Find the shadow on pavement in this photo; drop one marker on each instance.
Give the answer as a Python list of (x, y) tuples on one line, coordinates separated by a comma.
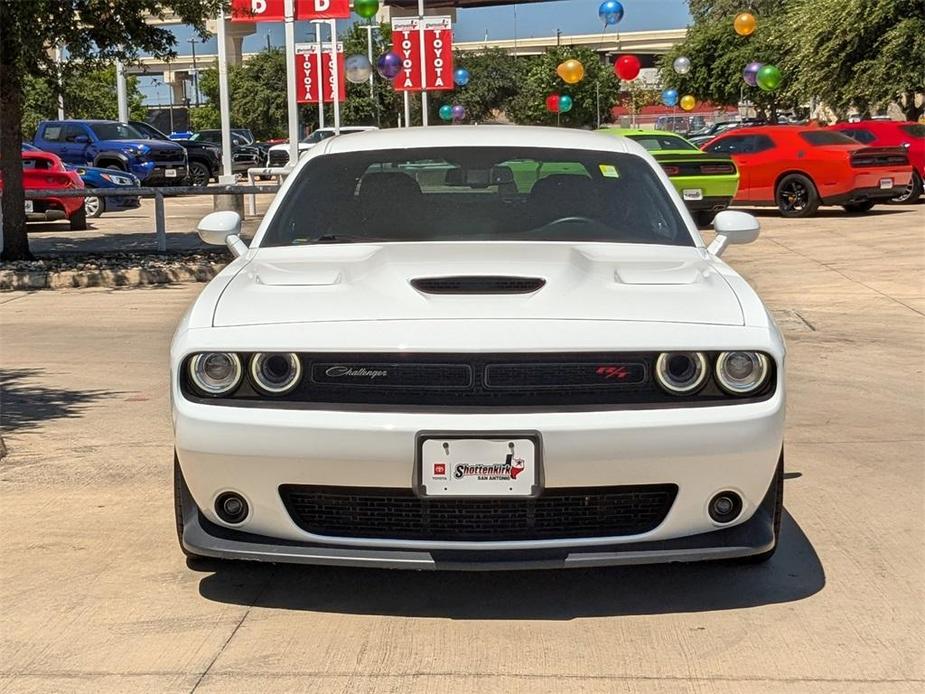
[(93, 242), (828, 212), (26, 403), (792, 574)]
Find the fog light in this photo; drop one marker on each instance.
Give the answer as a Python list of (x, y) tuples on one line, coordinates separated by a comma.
[(725, 507), (231, 507)]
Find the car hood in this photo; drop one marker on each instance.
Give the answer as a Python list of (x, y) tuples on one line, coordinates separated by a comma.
[(595, 281)]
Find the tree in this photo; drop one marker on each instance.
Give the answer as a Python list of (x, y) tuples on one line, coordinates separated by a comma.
[(860, 53), (94, 33), (493, 82), (88, 93), (537, 79)]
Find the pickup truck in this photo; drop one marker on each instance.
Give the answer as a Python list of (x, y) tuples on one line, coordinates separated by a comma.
[(204, 159), (113, 145)]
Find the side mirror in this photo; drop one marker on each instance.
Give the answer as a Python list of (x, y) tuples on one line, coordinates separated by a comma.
[(732, 226), (222, 228)]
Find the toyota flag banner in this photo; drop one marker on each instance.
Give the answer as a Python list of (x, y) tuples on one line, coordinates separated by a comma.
[(431, 38), (308, 73)]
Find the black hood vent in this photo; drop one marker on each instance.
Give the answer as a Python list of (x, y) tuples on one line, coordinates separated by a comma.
[(478, 284)]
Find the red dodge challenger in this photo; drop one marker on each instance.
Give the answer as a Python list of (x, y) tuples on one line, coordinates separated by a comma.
[(798, 169), (44, 170)]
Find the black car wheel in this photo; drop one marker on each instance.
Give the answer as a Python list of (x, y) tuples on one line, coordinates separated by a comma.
[(859, 207), (199, 174), (911, 193), (94, 206), (703, 218), (796, 196), (79, 219)]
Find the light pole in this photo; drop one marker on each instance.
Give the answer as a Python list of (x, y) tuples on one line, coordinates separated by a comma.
[(370, 28), (192, 43)]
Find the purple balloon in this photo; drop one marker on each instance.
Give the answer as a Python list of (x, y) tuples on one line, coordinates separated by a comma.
[(388, 65), (750, 73), (459, 112)]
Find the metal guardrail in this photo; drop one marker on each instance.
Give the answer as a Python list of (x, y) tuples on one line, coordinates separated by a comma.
[(159, 193)]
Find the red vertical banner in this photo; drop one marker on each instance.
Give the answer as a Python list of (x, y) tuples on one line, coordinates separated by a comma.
[(328, 72), (308, 74), (257, 10), (406, 43), (438, 53), (322, 9)]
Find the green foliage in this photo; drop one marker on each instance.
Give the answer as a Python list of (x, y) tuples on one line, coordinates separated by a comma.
[(89, 92), (360, 108), (537, 79), (205, 117), (492, 84)]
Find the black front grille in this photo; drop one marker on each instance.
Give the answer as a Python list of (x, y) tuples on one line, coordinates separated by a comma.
[(400, 515), (478, 284), (167, 156), (278, 158)]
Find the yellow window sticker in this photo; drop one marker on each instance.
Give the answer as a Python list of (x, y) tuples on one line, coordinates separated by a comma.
[(609, 170)]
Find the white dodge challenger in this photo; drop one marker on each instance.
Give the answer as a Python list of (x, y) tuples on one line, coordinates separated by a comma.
[(478, 348)]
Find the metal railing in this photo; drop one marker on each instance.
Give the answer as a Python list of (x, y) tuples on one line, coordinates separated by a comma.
[(158, 194)]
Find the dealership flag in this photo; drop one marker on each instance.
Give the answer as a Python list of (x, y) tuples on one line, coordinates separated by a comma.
[(435, 36), (273, 10), (308, 73)]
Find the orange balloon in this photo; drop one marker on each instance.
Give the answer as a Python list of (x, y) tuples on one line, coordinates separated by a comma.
[(688, 102), (571, 71), (745, 24)]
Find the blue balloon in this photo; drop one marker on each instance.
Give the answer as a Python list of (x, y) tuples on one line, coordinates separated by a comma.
[(670, 97), (610, 12), (461, 76)]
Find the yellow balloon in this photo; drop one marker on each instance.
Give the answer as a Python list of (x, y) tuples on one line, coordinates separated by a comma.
[(571, 71), (745, 24), (688, 102)]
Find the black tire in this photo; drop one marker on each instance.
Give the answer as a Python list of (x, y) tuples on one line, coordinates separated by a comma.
[(114, 166), (79, 219), (778, 515), (859, 207), (178, 485), (703, 218), (912, 193), (796, 196), (199, 174), (94, 206)]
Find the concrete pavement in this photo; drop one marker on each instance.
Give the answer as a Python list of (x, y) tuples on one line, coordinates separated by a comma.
[(96, 596)]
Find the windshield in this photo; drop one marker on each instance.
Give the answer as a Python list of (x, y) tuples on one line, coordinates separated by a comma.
[(654, 143), (915, 130), (826, 137), (116, 131), (477, 194)]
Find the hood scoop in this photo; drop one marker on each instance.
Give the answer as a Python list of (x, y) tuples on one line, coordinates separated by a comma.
[(478, 284)]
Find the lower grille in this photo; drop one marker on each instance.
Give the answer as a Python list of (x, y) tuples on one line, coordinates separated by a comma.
[(366, 512)]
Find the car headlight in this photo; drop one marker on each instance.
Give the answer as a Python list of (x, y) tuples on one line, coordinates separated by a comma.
[(276, 373), (117, 179), (739, 373), (215, 373), (681, 372)]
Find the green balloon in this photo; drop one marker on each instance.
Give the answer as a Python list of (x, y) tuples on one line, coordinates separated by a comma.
[(446, 112), (367, 9), (768, 78)]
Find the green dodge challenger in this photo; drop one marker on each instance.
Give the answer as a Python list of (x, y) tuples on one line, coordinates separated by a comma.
[(706, 182)]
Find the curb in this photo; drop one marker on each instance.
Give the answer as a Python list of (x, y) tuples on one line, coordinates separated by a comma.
[(30, 280)]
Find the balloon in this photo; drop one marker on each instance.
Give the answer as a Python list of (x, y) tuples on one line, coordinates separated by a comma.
[(610, 12), (552, 103), (682, 65), (571, 71), (366, 8), (389, 65), (459, 112), (688, 102), (565, 103), (745, 24), (670, 97), (357, 68), (446, 112), (461, 76), (768, 78), (750, 73), (627, 67)]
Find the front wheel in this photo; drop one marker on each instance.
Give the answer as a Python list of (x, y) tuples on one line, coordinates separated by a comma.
[(79, 219), (911, 193), (859, 207), (199, 174), (796, 196), (703, 218), (93, 206)]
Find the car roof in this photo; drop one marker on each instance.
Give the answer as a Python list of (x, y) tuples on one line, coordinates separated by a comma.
[(81, 120), (479, 136)]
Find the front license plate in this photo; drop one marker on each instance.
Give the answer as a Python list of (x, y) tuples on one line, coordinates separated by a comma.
[(455, 466), (30, 207), (886, 183), (693, 194), (170, 173)]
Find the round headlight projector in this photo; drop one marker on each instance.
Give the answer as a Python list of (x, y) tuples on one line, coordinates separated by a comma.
[(739, 373), (215, 373), (276, 373), (681, 372)]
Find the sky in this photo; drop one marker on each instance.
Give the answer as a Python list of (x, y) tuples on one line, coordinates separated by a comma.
[(521, 20)]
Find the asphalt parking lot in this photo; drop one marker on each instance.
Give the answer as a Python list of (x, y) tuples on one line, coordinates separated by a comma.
[(97, 597)]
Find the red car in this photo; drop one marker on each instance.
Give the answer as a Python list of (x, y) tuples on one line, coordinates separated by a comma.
[(43, 170), (891, 133), (797, 169)]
